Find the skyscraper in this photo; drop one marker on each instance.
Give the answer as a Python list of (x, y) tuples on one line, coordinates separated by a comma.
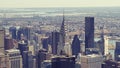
[(8, 43), (54, 40), (2, 32), (13, 31), (15, 59), (62, 38), (102, 41), (100, 44), (91, 61), (19, 32), (22, 46), (26, 31), (27, 59), (89, 32), (75, 45), (4, 61), (41, 56), (106, 47), (63, 62), (45, 42), (117, 51)]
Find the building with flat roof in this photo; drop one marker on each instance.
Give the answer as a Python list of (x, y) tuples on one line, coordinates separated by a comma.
[(91, 61), (4, 61), (89, 32), (63, 62), (15, 59), (117, 51)]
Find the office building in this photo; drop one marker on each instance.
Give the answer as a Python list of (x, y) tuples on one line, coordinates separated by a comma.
[(8, 43), (102, 45), (106, 47), (15, 59), (77, 65), (91, 61), (63, 62), (2, 34), (13, 32), (54, 39), (34, 62), (75, 45), (45, 43), (31, 48), (110, 64), (82, 46), (68, 50), (27, 59), (61, 43), (46, 64), (4, 61), (117, 51), (102, 42), (19, 32), (89, 32), (27, 32), (22, 46), (41, 56)]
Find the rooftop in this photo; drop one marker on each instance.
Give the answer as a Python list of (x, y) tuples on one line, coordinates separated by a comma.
[(12, 51)]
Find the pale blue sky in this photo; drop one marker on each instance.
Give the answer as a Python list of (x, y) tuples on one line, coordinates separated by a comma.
[(57, 3)]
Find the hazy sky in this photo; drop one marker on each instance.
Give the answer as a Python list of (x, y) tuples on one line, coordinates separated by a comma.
[(57, 3)]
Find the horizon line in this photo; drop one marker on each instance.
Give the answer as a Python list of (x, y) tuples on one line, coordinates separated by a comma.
[(61, 7)]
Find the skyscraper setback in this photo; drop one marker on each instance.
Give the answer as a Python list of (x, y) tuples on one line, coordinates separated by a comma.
[(89, 32)]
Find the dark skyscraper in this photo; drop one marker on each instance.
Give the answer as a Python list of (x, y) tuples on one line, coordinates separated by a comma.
[(89, 32), (110, 64), (75, 45), (22, 46), (13, 31), (27, 59), (63, 62), (41, 56), (26, 31), (54, 40), (117, 51), (19, 32), (45, 43)]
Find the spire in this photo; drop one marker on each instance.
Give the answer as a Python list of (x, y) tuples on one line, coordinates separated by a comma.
[(63, 18), (62, 38), (62, 29)]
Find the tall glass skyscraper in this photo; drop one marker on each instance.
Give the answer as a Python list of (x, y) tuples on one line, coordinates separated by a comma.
[(89, 32)]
